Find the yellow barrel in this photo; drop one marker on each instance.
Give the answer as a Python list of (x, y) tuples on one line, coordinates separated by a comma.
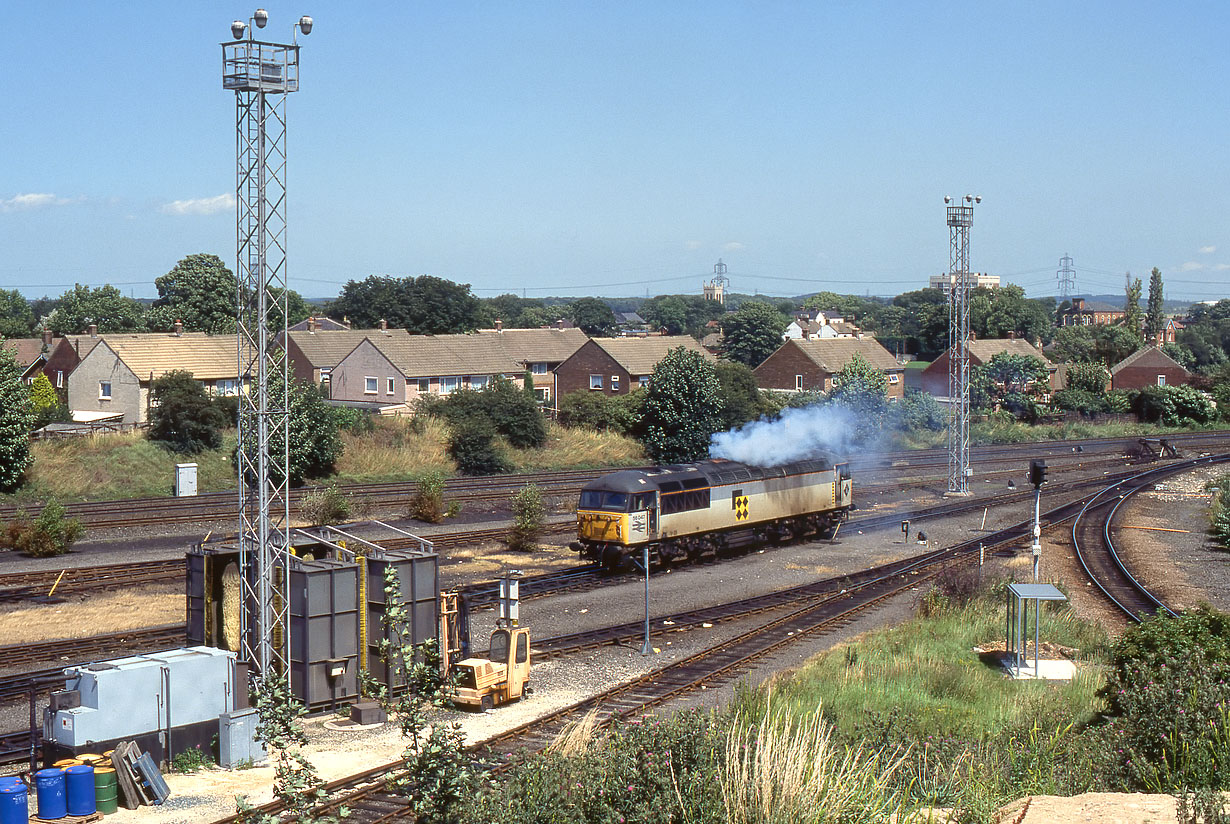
[(67, 762), (89, 757), (106, 790)]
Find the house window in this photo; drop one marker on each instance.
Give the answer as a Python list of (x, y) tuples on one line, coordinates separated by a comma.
[(798, 383), (104, 390), (614, 383), (370, 385), (449, 385), (59, 379), (538, 368), (389, 385), (424, 384), (595, 381), (227, 386), (1161, 380), (543, 394), (325, 372), (892, 378), (643, 381), (478, 381)]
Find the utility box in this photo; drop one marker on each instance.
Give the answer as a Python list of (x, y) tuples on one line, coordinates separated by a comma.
[(418, 579), (185, 480), (237, 742), (324, 632)]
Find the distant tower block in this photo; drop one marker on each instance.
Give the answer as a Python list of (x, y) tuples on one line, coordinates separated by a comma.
[(1065, 278), (715, 289)]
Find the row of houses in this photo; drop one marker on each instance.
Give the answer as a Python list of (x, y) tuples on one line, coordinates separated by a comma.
[(110, 376)]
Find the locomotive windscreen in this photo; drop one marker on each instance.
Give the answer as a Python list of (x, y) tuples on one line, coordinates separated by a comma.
[(602, 499)]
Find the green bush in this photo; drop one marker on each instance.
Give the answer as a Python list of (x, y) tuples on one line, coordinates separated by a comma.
[(1079, 400), (1173, 406), (46, 536), (427, 503), (918, 411), (192, 760), (182, 417), (329, 505), (354, 421), (529, 518), (1120, 400), (1087, 377), (511, 411), (472, 447), (597, 410)]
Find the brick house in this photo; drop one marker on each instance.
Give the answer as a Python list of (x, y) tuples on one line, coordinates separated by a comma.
[(1148, 367), (800, 365), (539, 351), (30, 353), (314, 352), (614, 366), (114, 378), (1079, 314), (935, 376)]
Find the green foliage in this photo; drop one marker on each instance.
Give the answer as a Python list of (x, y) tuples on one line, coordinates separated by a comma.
[(997, 313), (1131, 306), (741, 398), (354, 421), (680, 314), (1095, 344), (1088, 377), (48, 535), (600, 411), (326, 505), (1168, 702), (1079, 400), (511, 412), (681, 408), (1219, 511), (427, 503), (652, 770), (863, 390), (1011, 383), (16, 421), (918, 411), (1206, 334), (424, 305), (182, 417), (1181, 355), (592, 316), (471, 445), (16, 317), (1173, 406), (1155, 319), (105, 307), (199, 291), (315, 442), (193, 759), (46, 403), (753, 333), (529, 518)]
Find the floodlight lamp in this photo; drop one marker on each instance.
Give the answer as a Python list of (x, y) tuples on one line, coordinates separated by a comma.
[(947, 199), (969, 199), (260, 17), (305, 24), (238, 28), (977, 198)]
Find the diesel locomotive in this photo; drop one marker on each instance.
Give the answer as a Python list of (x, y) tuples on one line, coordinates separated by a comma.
[(699, 510)]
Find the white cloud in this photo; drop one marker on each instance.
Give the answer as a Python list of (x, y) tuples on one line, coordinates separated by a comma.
[(1207, 250), (733, 246), (32, 200), (1191, 266), (692, 245), (200, 205), (1221, 267)]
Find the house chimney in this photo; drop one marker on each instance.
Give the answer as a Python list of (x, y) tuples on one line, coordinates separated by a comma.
[(384, 326), (559, 324), (179, 327), (46, 337), (973, 336), (311, 325), (1012, 335), (345, 321), (499, 325), (92, 330), (662, 331)]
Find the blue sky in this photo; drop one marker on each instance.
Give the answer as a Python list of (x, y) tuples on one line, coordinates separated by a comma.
[(622, 148)]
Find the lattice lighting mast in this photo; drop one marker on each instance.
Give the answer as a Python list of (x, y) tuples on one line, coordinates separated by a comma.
[(262, 74), (960, 283)]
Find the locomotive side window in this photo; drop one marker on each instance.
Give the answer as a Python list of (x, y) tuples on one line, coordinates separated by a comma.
[(642, 501), (690, 496)]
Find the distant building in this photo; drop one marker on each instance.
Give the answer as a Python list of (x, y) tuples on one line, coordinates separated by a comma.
[(715, 291), (1148, 367), (813, 323), (979, 280), (315, 351), (802, 365), (616, 366), (1080, 314), (934, 378)]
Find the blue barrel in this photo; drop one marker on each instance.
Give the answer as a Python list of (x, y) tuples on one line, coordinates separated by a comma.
[(80, 781), (14, 805), (49, 788)]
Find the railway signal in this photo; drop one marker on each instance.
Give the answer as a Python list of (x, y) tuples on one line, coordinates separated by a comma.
[(1037, 477)]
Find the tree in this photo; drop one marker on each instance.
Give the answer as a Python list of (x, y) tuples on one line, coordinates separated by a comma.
[(1131, 304), (1155, 318), (753, 333), (315, 441), (424, 305), (592, 316), (1075, 344), (997, 313), (182, 417), (1087, 377), (105, 307), (16, 420), (741, 401), (863, 390), (46, 403), (1011, 382), (924, 326), (682, 408), (200, 291), (471, 445), (16, 317)]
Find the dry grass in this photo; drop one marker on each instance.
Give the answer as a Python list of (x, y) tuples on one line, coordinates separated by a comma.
[(578, 448), (577, 737), (94, 614), (398, 449)]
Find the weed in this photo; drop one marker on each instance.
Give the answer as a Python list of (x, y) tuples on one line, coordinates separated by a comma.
[(529, 518), (427, 503), (191, 760), (326, 505)]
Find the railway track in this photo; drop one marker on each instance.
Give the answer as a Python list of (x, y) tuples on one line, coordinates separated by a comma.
[(222, 505), (1094, 544)]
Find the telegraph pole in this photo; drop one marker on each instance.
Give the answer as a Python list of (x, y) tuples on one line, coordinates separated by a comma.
[(960, 282), (262, 74)]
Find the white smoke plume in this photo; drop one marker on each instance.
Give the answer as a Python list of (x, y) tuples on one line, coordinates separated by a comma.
[(796, 435)]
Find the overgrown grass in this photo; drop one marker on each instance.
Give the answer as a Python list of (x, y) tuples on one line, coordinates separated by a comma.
[(984, 433)]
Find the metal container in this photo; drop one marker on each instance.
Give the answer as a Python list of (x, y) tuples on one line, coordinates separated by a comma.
[(324, 632), (418, 579), (106, 790)]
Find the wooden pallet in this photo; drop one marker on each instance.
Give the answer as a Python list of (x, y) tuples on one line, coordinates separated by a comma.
[(68, 819)]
